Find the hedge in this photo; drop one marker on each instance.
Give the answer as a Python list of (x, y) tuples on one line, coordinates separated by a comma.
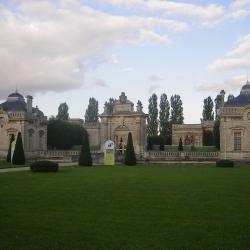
[(44, 166), (225, 164)]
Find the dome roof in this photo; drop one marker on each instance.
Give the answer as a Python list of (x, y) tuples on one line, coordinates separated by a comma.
[(16, 94), (245, 89), (242, 100), (14, 102)]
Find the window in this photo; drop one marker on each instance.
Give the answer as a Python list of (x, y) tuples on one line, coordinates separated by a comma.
[(237, 141)]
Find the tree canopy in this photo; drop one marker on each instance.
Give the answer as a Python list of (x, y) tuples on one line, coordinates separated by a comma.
[(164, 114), (63, 112), (208, 107), (91, 114), (152, 120), (176, 110), (109, 105), (64, 135)]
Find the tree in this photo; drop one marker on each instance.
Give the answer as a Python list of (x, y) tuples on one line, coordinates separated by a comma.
[(12, 138), (18, 155), (180, 147), (130, 158), (152, 119), (207, 138), (85, 158), (63, 135), (208, 106), (63, 112), (109, 106), (216, 134), (91, 114), (218, 102), (176, 110), (164, 118)]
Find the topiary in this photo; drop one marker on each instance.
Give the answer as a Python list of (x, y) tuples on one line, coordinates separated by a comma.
[(130, 158), (225, 164), (85, 158), (44, 166), (18, 155), (180, 147)]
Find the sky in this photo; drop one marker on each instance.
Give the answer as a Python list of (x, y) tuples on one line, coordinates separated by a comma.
[(71, 50)]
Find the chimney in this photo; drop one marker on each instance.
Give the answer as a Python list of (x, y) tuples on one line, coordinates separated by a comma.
[(222, 94), (29, 103)]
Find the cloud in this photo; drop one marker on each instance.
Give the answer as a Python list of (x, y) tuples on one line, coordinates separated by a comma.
[(231, 84), (153, 88), (240, 3), (128, 69), (50, 45), (235, 59), (208, 13), (97, 82), (155, 78)]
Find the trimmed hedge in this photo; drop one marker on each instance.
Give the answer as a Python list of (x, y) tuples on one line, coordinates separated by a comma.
[(225, 164), (44, 166)]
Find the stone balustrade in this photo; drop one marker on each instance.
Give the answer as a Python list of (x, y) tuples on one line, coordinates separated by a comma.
[(174, 156)]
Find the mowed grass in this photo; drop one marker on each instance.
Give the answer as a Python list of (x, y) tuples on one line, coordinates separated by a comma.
[(143, 207), (4, 164)]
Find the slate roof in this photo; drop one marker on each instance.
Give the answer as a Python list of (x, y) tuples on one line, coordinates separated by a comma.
[(16, 103), (241, 100)]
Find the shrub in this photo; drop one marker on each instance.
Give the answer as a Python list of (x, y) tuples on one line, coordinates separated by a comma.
[(85, 158), (225, 164), (44, 166), (18, 155), (130, 158), (180, 147)]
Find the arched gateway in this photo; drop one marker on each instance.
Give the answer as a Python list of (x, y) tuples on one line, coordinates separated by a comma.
[(117, 124)]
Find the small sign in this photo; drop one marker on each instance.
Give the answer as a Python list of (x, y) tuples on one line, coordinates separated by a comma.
[(13, 146), (109, 153)]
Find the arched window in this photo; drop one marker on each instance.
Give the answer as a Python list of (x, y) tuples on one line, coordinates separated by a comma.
[(31, 139), (41, 139)]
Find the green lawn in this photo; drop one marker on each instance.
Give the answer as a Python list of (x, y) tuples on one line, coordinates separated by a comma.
[(159, 207), (4, 164)]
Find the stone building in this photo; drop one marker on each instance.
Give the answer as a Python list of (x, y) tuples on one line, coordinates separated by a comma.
[(191, 134), (117, 124), (235, 126), (16, 115)]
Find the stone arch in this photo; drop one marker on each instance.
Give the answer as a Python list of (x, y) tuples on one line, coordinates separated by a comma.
[(120, 138)]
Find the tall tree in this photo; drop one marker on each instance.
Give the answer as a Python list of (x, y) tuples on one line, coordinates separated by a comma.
[(63, 112), (216, 132), (91, 114), (176, 110), (218, 102), (130, 158), (85, 158), (152, 119), (164, 115), (109, 106), (18, 155), (208, 107)]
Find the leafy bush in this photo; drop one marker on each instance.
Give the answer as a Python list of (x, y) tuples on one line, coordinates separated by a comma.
[(85, 158), (180, 147), (225, 164), (63, 135), (130, 158), (44, 166), (18, 155)]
